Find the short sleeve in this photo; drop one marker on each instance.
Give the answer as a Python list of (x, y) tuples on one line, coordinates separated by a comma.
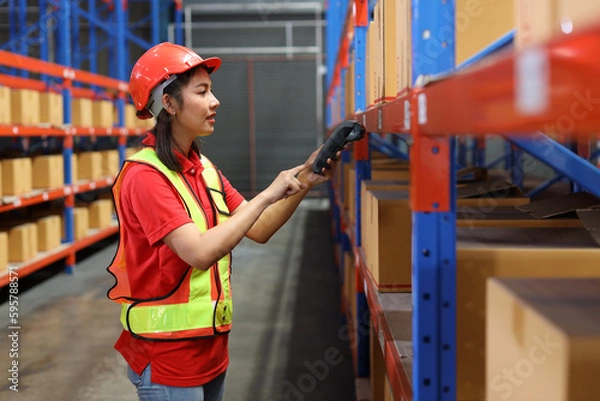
[(232, 197), (150, 201)]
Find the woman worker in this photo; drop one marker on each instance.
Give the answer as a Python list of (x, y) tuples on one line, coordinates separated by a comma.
[(179, 221)]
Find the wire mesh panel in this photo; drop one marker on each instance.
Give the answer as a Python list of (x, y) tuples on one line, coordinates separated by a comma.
[(269, 86)]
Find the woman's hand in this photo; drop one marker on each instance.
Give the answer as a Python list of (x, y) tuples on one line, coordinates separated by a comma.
[(285, 184), (307, 176)]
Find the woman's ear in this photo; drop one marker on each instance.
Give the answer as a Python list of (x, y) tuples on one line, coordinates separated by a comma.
[(168, 104)]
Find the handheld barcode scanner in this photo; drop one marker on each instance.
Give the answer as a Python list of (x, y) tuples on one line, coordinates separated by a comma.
[(346, 132)]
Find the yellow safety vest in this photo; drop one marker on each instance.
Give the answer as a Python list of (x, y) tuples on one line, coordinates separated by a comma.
[(201, 305)]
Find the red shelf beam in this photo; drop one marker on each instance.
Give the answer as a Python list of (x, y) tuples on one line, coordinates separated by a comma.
[(552, 87), (61, 253), (24, 130), (31, 64), (390, 117), (17, 202)]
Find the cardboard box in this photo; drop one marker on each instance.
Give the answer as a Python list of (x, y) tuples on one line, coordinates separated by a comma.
[(397, 171), (479, 23), (25, 107), (48, 171), (82, 112), (51, 108), (543, 339), (49, 233), (22, 242), (130, 117), (16, 176), (390, 37), (403, 46), (110, 163), (387, 238), (103, 113), (507, 252), (89, 165), (374, 185), (6, 109), (370, 65), (74, 168), (100, 214), (538, 21), (3, 251), (81, 216)]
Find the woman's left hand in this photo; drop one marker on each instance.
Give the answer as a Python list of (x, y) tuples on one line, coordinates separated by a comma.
[(307, 176)]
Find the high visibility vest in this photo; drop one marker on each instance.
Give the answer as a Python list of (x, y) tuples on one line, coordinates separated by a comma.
[(200, 305)]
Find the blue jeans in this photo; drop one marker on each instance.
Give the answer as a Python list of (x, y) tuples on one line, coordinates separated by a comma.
[(148, 391)]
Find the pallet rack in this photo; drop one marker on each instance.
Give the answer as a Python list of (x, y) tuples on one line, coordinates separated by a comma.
[(515, 94), (55, 37)]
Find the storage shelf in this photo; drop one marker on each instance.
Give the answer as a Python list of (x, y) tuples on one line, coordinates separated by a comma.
[(500, 97), (24, 130), (8, 203), (44, 259)]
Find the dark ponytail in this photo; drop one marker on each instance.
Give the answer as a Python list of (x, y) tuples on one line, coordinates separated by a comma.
[(163, 129)]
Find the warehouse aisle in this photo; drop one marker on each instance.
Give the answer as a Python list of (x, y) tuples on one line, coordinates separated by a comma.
[(287, 342)]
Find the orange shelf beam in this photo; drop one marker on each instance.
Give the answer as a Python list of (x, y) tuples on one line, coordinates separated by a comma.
[(62, 252), (8, 203)]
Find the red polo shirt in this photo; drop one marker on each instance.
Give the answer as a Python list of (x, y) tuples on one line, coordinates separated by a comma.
[(151, 209)]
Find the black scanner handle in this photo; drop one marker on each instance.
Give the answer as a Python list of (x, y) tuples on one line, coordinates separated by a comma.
[(348, 131)]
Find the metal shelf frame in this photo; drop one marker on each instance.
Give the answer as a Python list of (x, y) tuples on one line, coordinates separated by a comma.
[(475, 100), (53, 31)]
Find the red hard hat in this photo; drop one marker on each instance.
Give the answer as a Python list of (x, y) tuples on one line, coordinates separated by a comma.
[(158, 64)]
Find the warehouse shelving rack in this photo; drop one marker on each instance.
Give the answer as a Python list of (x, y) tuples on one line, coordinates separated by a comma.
[(516, 94), (67, 132), (56, 25)]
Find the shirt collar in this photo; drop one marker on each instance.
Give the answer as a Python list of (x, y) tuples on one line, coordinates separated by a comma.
[(187, 163)]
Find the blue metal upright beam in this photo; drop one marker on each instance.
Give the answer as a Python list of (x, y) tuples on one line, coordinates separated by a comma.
[(363, 172), (64, 58), (434, 232)]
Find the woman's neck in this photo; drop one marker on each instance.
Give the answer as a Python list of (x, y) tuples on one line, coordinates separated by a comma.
[(182, 146)]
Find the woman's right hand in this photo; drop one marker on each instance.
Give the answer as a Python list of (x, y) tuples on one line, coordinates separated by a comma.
[(285, 185)]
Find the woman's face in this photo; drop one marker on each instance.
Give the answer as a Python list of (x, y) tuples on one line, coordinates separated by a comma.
[(196, 116)]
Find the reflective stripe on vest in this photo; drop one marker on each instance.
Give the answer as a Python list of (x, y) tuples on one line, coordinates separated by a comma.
[(201, 304)]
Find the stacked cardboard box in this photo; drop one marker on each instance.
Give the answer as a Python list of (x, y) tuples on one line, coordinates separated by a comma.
[(5, 110), (22, 242), (51, 108), (543, 339), (479, 23), (103, 113), (16, 176), (25, 106), (89, 165), (507, 252), (130, 117), (48, 171), (100, 214), (82, 222), (3, 251), (82, 112), (538, 21), (110, 163), (49, 232)]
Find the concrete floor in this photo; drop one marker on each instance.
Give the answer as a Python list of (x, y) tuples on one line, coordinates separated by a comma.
[(285, 344)]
